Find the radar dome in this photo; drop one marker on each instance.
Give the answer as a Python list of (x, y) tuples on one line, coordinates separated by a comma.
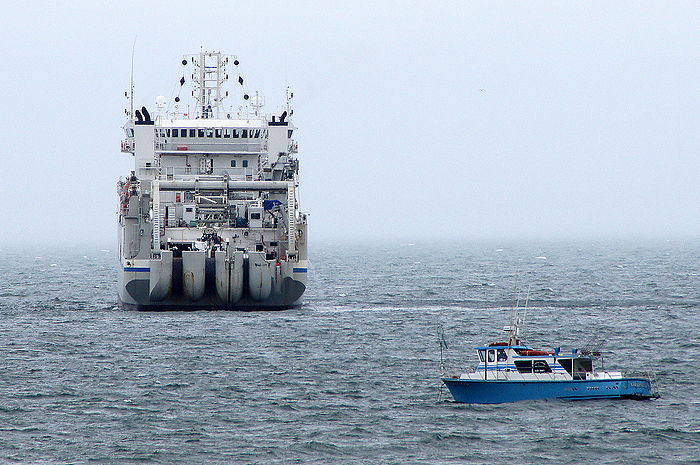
[(161, 101), (257, 100)]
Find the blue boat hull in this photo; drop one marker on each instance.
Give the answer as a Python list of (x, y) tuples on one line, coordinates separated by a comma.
[(496, 392)]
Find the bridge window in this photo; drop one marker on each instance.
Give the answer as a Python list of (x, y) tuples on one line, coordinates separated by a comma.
[(227, 133), (524, 366), (217, 131), (236, 134), (482, 357), (183, 132), (193, 133), (176, 132), (289, 132), (245, 134), (491, 355), (210, 132), (566, 363), (233, 163), (244, 164), (502, 357), (581, 367), (200, 132), (541, 366)]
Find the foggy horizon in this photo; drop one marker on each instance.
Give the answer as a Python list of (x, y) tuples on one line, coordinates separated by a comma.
[(458, 121)]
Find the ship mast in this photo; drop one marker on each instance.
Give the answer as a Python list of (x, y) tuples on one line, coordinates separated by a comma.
[(210, 74), (514, 329)]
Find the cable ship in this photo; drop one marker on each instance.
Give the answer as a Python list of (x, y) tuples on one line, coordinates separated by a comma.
[(209, 218)]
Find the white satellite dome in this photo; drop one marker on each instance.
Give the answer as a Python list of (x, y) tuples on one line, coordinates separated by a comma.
[(257, 100), (161, 101)]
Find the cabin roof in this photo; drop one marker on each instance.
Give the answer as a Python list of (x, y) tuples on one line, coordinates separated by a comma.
[(503, 347), (211, 123)]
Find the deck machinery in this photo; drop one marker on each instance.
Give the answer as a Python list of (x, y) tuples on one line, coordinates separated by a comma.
[(209, 218)]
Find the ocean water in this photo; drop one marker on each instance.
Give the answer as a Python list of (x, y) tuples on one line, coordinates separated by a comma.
[(353, 375)]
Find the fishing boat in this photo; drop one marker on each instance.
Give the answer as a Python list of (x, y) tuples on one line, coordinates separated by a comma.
[(511, 371)]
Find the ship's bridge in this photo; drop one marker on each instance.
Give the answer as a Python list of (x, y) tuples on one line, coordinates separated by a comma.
[(248, 136)]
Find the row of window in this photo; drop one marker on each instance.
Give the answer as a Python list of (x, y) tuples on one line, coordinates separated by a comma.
[(533, 366), (218, 133), (206, 165), (492, 355)]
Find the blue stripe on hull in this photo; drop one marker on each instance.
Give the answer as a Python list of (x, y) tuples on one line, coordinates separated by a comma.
[(132, 269), (497, 392)]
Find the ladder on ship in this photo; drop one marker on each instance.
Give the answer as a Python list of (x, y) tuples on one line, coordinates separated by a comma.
[(156, 217), (210, 78), (262, 164), (291, 219)]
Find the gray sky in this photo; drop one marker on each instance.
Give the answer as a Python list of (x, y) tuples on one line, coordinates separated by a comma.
[(465, 119)]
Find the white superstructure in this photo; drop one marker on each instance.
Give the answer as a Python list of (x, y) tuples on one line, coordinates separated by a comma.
[(210, 218)]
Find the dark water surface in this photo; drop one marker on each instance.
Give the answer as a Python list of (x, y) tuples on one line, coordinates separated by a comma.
[(352, 377)]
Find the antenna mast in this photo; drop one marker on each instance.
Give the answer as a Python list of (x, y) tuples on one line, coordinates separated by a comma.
[(131, 97), (514, 329), (209, 77)]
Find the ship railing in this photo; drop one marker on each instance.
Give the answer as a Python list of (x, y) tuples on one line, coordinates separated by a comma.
[(516, 375), (188, 173), (149, 171), (127, 145), (189, 145), (650, 375)]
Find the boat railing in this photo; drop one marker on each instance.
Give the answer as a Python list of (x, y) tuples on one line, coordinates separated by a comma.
[(128, 145), (249, 146), (188, 173), (649, 375), (503, 375), (514, 375), (604, 375)]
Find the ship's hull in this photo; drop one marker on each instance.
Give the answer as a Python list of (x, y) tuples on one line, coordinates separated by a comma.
[(199, 282), (472, 391)]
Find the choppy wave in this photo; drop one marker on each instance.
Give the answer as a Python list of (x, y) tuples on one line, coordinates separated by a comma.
[(353, 375)]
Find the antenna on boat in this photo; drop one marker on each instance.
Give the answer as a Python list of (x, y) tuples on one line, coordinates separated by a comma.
[(527, 296), (527, 302), (443, 346), (514, 329), (131, 97)]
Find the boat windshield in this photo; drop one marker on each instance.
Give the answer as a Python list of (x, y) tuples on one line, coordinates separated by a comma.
[(481, 355), (502, 357)]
